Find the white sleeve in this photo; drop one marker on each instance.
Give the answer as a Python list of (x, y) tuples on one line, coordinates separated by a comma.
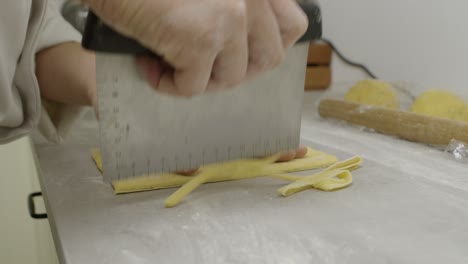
[(55, 29), (57, 119)]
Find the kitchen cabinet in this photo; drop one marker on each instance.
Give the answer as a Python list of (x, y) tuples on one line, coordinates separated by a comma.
[(22, 239)]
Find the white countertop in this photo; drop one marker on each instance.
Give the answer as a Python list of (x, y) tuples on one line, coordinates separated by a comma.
[(407, 204)]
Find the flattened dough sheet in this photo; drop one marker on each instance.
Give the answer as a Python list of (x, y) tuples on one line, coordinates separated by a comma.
[(223, 172)]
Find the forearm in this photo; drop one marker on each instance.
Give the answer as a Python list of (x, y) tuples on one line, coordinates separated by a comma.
[(66, 74)]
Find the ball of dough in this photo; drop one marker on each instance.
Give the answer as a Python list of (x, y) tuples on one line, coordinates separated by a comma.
[(373, 92), (441, 103)]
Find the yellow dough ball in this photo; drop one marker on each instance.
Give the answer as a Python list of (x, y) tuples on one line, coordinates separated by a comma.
[(373, 92), (441, 104)]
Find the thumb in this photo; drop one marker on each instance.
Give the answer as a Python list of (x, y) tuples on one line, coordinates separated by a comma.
[(151, 69)]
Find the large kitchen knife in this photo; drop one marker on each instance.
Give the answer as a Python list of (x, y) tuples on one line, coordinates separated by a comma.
[(144, 132)]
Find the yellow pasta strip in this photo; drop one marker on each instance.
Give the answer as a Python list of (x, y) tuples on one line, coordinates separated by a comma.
[(337, 179), (349, 164), (324, 181), (241, 169), (233, 170), (334, 177)]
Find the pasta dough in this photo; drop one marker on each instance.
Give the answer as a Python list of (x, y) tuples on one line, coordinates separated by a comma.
[(334, 177), (441, 104), (221, 172), (373, 92)]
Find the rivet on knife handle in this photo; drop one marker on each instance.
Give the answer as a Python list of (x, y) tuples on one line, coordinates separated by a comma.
[(101, 38)]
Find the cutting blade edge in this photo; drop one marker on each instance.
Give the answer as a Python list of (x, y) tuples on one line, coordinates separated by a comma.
[(145, 132)]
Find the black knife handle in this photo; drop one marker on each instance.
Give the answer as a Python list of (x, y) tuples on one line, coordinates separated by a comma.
[(99, 37)]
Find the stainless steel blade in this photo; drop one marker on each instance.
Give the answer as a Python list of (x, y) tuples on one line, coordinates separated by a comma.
[(144, 132)]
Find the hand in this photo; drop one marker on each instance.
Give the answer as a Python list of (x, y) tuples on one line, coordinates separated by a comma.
[(66, 74), (207, 45)]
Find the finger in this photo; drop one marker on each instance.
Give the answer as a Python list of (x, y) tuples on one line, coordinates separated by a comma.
[(264, 39), (230, 66), (188, 172), (301, 152), (291, 19), (188, 80), (293, 154), (150, 69), (287, 156)]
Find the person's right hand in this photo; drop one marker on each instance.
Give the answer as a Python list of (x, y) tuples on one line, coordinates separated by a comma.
[(206, 45)]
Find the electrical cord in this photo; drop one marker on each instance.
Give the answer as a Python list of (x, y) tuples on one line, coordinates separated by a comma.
[(362, 67), (348, 61)]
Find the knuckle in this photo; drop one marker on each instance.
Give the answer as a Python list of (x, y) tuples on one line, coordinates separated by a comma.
[(209, 39), (201, 38), (208, 32), (236, 12), (197, 35), (228, 24), (296, 27)]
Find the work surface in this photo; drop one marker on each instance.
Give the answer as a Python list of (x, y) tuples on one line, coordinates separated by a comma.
[(408, 204)]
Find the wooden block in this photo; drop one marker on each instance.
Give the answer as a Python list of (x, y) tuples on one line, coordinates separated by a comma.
[(319, 54), (318, 78)]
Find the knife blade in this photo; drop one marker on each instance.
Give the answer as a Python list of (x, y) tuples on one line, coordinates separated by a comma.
[(143, 132)]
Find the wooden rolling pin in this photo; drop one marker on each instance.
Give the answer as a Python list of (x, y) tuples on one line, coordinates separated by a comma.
[(411, 126)]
